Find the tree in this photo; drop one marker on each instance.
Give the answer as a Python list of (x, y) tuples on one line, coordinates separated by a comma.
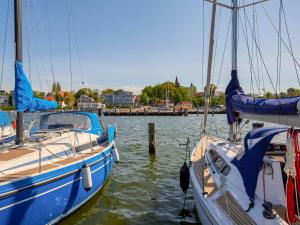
[(107, 91), (268, 95), (54, 87), (177, 97), (69, 99), (293, 92), (39, 94), (84, 91), (58, 87), (213, 89)]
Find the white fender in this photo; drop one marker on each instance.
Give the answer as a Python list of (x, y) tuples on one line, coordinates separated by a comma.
[(86, 177), (115, 153)]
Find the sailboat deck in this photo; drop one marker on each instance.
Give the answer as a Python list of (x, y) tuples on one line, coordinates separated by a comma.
[(58, 162), (281, 211), (14, 153), (202, 172), (231, 207)]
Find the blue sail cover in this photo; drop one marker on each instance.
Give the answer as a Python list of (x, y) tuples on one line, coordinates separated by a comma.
[(23, 94), (238, 101), (4, 119), (256, 144)]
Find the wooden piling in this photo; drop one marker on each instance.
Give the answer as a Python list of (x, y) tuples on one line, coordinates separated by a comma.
[(186, 112), (152, 138), (100, 112)]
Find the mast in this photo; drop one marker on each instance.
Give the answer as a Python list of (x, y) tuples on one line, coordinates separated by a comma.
[(209, 66), (233, 131), (19, 58)]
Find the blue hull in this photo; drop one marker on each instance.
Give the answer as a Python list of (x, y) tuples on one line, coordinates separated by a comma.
[(49, 197)]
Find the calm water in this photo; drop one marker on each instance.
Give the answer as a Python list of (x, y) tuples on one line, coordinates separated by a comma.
[(142, 189)]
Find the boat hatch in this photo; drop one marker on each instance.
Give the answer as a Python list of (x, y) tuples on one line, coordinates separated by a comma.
[(218, 162)]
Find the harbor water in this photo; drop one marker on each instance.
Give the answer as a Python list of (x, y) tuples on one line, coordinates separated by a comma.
[(144, 190)]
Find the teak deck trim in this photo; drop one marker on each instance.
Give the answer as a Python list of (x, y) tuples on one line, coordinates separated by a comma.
[(201, 170), (233, 210), (49, 166), (281, 211), (14, 153)]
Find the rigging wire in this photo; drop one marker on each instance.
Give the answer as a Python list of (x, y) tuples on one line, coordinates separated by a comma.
[(50, 56), (70, 53), (224, 50), (258, 62), (77, 46), (28, 38), (290, 43), (254, 55), (252, 71), (284, 43), (279, 49), (260, 54), (216, 43), (203, 44), (4, 44)]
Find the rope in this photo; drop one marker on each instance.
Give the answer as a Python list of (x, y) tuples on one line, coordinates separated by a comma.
[(4, 44)]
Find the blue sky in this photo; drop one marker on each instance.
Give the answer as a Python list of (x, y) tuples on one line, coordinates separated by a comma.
[(132, 43)]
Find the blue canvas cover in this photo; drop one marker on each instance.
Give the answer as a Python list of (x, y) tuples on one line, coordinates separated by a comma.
[(238, 101), (4, 119), (256, 144), (23, 94), (81, 121)]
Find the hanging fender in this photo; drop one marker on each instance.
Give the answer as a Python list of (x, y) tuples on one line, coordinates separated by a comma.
[(87, 181), (115, 153), (184, 177)]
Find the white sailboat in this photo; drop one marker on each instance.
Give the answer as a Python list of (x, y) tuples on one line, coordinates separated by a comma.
[(239, 181)]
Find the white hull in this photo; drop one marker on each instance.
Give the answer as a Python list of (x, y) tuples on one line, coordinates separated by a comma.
[(208, 207), (204, 214)]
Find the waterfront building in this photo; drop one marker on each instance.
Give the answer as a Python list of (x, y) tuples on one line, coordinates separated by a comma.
[(119, 98), (4, 100), (50, 97), (86, 102), (184, 105)]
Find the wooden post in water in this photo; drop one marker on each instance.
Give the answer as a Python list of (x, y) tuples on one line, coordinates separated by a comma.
[(152, 138), (100, 112), (186, 112)]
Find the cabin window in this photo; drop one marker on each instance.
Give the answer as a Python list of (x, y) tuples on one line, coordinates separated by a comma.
[(65, 121), (219, 163)]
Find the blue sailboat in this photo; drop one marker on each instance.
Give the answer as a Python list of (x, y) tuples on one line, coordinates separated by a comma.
[(7, 133), (49, 173)]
